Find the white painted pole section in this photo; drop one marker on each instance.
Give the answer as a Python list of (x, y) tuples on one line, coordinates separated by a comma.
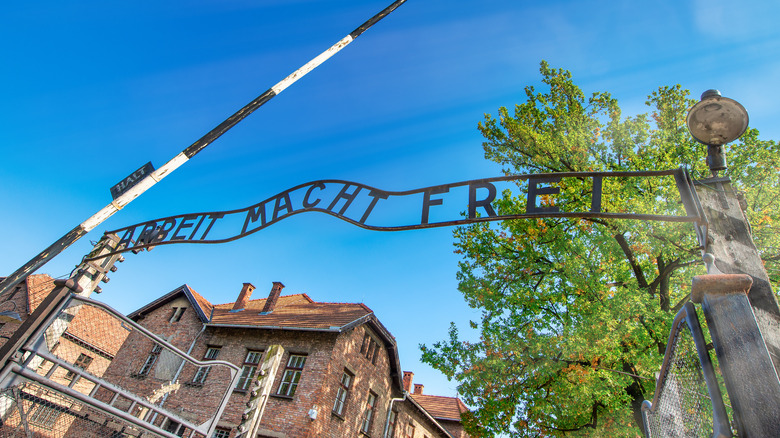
[(155, 177), (117, 204), (311, 65), (136, 191)]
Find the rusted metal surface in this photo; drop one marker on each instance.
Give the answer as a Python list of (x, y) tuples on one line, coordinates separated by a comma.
[(359, 203)]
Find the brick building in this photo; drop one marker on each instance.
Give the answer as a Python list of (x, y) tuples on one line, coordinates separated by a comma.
[(340, 374), (77, 342), (446, 411)]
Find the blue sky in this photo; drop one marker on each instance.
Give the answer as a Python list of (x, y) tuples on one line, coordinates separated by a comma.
[(93, 90)]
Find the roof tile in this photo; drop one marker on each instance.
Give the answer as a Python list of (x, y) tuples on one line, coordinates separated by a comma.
[(440, 407), (292, 311)]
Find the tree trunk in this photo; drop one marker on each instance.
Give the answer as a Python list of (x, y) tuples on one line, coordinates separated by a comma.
[(663, 285)]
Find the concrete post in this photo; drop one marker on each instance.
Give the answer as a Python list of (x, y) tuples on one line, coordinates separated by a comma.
[(748, 371), (729, 240)]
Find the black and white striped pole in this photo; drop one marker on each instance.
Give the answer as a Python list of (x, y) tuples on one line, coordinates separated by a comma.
[(154, 177)]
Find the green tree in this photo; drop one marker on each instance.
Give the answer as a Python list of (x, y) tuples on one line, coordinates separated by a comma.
[(576, 313)]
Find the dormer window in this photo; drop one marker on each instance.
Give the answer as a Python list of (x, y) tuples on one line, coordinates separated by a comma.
[(370, 348), (177, 313)]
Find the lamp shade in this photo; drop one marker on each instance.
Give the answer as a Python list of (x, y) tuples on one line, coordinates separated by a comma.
[(717, 120)]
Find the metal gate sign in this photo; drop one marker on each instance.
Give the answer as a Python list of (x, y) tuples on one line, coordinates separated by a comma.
[(375, 209), (126, 184)]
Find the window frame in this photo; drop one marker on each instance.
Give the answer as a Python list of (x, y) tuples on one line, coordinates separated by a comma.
[(221, 433), (370, 348), (368, 413), (203, 372), (83, 362), (177, 314), (342, 393), (391, 423), (151, 359), (44, 416), (291, 377), (410, 430), (248, 369)]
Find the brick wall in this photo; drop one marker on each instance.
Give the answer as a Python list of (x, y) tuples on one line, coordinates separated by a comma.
[(328, 355)]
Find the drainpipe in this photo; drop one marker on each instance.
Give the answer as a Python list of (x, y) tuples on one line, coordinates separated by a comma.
[(389, 410)]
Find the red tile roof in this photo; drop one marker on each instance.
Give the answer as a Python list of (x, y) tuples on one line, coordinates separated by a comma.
[(205, 306), (91, 325), (292, 312), (38, 287), (98, 329), (441, 408)]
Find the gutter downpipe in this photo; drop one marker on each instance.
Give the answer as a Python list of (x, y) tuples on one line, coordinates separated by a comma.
[(389, 410)]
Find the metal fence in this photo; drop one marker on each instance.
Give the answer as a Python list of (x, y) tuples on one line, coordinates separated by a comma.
[(89, 371), (32, 410), (688, 401)]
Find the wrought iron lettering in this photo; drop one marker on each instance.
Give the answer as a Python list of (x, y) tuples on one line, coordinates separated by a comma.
[(375, 209)]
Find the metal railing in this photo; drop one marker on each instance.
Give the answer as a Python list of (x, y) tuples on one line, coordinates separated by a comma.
[(90, 371), (688, 401)]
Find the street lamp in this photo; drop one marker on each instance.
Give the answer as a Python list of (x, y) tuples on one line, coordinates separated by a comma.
[(715, 121)]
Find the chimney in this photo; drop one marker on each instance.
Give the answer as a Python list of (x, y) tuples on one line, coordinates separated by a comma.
[(273, 297), (408, 376), (243, 297), (418, 388)]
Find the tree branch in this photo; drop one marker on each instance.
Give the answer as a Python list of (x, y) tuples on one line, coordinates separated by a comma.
[(640, 276)]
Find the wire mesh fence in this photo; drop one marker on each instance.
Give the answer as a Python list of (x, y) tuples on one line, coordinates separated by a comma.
[(688, 401), (32, 410), (91, 367)]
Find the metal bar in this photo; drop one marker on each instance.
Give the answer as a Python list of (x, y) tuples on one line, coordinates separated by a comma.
[(743, 357), (32, 376), (118, 391), (51, 370), (160, 231), (22, 414), (687, 315), (583, 215), (721, 427), (153, 178), (234, 369), (48, 306), (76, 300)]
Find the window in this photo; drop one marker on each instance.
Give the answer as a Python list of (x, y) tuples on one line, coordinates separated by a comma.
[(44, 416), (175, 427), (221, 433), (370, 348), (150, 360), (368, 413), (391, 424), (342, 393), (82, 362), (177, 313), (292, 375), (203, 372), (248, 370), (410, 430)]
